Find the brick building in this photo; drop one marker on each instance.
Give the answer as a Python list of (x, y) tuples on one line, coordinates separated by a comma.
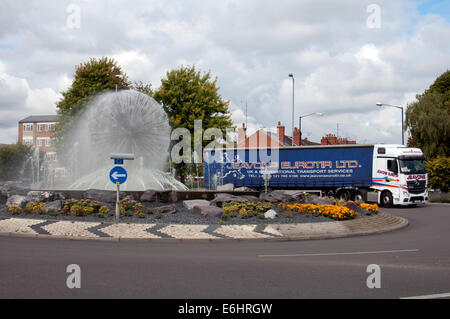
[(331, 139), (37, 131), (263, 138)]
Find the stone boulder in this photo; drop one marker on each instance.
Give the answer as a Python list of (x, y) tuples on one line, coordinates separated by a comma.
[(44, 196), (274, 197), (221, 198), (270, 214), (189, 204), (208, 211), (167, 209), (3, 196), (357, 208), (18, 200), (54, 206), (314, 199), (157, 196), (100, 195)]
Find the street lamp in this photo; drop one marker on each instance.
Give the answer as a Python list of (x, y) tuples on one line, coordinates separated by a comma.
[(399, 107), (292, 76), (300, 122)]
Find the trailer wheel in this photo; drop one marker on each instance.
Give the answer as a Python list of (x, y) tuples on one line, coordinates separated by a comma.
[(386, 199), (357, 196), (344, 195)]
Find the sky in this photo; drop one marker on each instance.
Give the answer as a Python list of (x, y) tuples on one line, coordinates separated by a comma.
[(345, 56)]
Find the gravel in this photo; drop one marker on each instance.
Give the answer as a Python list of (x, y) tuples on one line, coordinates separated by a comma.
[(182, 216)]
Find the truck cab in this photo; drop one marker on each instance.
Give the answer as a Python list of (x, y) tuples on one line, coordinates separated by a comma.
[(399, 176)]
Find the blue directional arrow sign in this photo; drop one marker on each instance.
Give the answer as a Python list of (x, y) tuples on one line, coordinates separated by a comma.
[(118, 174)]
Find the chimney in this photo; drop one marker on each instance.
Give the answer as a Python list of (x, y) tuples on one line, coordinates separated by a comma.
[(242, 133), (280, 132), (297, 136)]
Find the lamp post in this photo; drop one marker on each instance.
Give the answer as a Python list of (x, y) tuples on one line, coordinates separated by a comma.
[(293, 81), (399, 107), (300, 123)]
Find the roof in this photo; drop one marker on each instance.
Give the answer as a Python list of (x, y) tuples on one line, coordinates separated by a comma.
[(39, 118)]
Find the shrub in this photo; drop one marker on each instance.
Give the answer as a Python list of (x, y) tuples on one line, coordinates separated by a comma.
[(77, 210), (439, 173), (103, 211), (14, 209), (33, 208), (158, 215), (245, 209)]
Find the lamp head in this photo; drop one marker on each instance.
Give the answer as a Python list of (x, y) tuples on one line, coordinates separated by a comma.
[(380, 104), (291, 75)]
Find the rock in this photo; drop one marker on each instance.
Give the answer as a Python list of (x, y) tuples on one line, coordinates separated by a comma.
[(221, 198), (168, 209), (44, 196), (3, 196), (295, 196), (314, 199), (54, 206), (271, 214), (357, 208), (189, 204), (18, 200), (226, 187), (208, 211), (157, 196), (250, 198), (274, 197), (100, 195)]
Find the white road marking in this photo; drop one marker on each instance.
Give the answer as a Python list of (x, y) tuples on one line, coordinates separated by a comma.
[(444, 295), (349, 253)]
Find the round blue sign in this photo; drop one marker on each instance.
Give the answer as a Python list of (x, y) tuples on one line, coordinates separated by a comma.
[(118, 174)]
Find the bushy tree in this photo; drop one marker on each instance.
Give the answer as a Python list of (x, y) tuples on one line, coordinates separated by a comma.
[(438, 171), (92, 77), (188, 95), (12, 161), (428, 119)]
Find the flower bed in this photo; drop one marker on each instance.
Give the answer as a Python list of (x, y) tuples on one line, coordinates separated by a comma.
[(332, 211)]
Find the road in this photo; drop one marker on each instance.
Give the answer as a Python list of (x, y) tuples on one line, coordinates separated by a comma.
[(414, 261)]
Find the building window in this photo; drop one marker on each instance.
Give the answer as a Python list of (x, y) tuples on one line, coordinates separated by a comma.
[(28, 127), (40, 127), (48, 127), (39, 142), (28, 141), (48, 142)]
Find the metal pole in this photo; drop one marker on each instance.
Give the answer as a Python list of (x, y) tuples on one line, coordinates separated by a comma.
[(300, 129), (116, 219), (293, 110), (403, 138)]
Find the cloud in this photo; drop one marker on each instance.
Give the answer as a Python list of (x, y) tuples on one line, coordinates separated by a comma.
[(341, 67)]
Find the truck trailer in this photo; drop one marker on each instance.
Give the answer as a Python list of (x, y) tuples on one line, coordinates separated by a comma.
[(384, 173)]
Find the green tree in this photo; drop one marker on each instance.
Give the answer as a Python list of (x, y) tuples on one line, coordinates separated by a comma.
[(90, 78), (12, 161), (428, 119), (188, 95)]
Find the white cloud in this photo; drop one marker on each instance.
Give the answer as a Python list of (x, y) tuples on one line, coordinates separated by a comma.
[(341, 67)]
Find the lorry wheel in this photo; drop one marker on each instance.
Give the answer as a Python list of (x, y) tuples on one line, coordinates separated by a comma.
[(357, 196), (386, 199), (344, 195)]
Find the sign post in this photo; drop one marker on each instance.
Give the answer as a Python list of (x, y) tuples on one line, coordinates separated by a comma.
[(118, 175)]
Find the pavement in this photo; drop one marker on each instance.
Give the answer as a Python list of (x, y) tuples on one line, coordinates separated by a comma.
[(43, 228)]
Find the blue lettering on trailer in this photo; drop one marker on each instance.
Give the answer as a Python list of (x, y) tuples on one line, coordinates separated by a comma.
[(291, 167)]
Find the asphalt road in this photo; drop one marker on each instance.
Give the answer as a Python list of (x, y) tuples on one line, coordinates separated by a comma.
[(414, 261)]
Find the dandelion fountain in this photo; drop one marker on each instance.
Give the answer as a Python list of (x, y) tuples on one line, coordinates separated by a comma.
[(120, 122)]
